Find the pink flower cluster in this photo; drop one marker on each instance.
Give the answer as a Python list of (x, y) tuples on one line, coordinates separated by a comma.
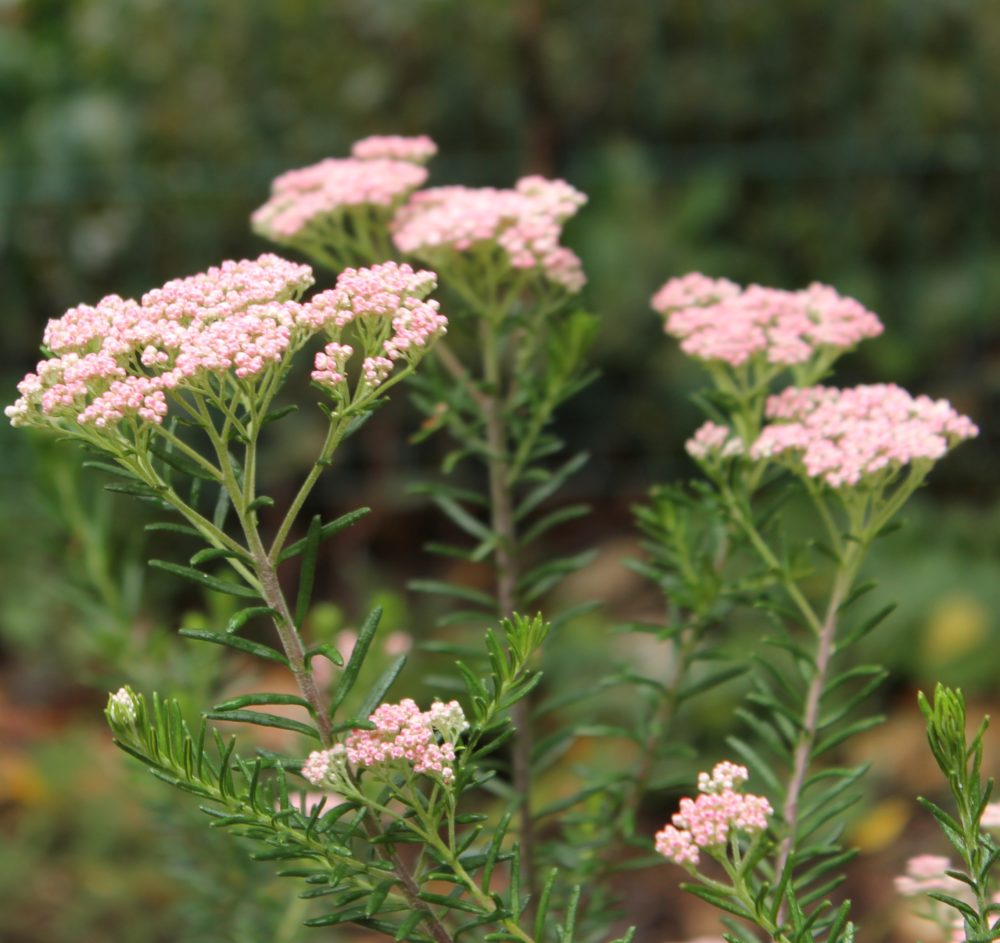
[(716, 320), (926, 873), (327, 769), (381, 173), (424, 739), (120, 357), (841, 436), (708, 821), (416, 150), (387, 299), (712, 441), (525, 222)]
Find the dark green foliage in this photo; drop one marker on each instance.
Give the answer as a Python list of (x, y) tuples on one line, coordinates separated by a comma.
[(960, 761)]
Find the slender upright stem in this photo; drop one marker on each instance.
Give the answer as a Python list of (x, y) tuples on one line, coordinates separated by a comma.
[(506, 566), (825, 647), (291, 641)]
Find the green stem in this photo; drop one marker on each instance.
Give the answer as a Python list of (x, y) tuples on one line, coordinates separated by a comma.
[(506, 565), (825, 648)]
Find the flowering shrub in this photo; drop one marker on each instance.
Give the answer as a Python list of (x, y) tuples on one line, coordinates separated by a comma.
[(178, 389)]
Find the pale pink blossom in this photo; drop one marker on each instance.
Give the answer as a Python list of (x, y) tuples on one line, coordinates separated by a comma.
[(391, 300), (716, 320), (403, 733), (305, 201), (525, 223), (330, 364), (327, 769), (712, 441), (991, 816), (417, 150), (925, 873), (707, 821), (843, 436), (119, 358), (397, 643), (122, 359)]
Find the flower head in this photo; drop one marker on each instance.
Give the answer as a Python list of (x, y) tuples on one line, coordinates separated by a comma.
[(845, 436), (327, 769), (716, 320), (120, 358), (712, 442), (523, 223), (417, 150), (925, 873), (306, 200), (389, 307), (707, 821), (424, 740)]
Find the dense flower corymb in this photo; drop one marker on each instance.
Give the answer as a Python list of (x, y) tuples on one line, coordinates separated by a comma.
[(123, 359), (403, 733), (387, 302), (926, 873), (707, 821), (716, 320), (524, 222), (417, 150), (381, 173), (842, 436)]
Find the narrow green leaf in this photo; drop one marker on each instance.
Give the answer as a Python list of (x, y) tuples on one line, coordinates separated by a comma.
[(221, 509), (553, 483), (569, 924), (553, 519), (263, 720), (327, 530), (329, 652), (409, 924), (173, 528), (203, 579), (847, 732), (717, 899), (710, 681), (463, 519), (757, 765), (381, 686), (307, 570), (208, 554), (458, 592), (274, 415), (258, 700), (542, 910), (115, 470), (170, 456), (493, 852), (358, 655), (867, 626), (235, 641), (239, 619), (451, 903)]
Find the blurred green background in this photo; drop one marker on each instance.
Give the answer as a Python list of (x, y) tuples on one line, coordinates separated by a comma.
[(855, 144)]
